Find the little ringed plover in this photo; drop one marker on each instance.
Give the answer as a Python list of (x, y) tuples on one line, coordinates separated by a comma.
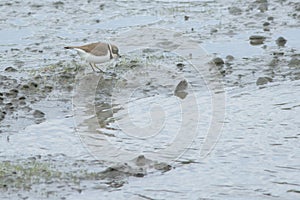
[(96, 53)]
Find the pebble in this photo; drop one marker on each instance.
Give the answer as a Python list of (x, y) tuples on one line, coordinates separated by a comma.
[(2, 116), (10, 69), (229, 58), (13, 93), (218, 61), (33, 84), (180, 90), (38, 114), (180, 66), (48, 88), (294, 62), (213, 30), (257, 39), (281, 41), (235, 10), (25, 87), (263, 80)]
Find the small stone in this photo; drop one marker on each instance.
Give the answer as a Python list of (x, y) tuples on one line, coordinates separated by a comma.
[(186, 18), (25, 87), (101, 6), (48, 88), (180, 66), (257, 39), (281, 41), (58, 4), (229, 58), (38, 77), (33, 84), (271, 18), (13, 93), (10, 69), (218, 61), (2, 116), (235, 10), (38, 114), (263, 80), (294, 62), (213, 30), (266, 24), (181, 88)]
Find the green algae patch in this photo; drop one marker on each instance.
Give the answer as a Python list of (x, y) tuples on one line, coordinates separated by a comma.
[(24, 174)]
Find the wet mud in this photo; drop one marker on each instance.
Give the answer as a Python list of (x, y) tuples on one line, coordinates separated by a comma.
[(52, 131)]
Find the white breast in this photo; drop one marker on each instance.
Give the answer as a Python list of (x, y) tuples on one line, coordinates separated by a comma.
[(91, 58)]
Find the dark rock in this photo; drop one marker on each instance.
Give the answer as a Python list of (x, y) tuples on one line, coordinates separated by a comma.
[(180, 90), (2, 115), (229, 58), (186, 18), (294, 62), (25, 87), (257, 39), (218, 61), (33, 84), (9, 107), (263, 7), (38, 77), (213, 30), (297, 7), (102, 6), (38, 114), (271, 18), (58, 4), (263, 80), (10, 69), (180, 66), (13, 93), (278, 53), (281, 41), (48, 88)]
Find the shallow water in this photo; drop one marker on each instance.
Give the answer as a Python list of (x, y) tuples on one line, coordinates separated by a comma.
[(207, 131)]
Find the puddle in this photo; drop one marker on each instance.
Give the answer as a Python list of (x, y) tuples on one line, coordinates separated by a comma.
[(238, 48)]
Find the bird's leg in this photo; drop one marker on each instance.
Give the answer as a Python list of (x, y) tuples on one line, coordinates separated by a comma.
[(94, 65)]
